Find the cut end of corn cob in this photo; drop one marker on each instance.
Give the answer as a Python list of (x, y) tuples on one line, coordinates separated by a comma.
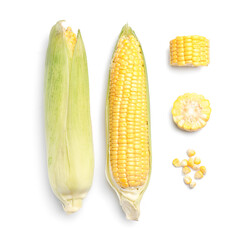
[(189, 51), (191, 112), (127, 119)]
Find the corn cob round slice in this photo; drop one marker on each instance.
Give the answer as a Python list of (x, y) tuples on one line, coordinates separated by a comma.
[(191, 112), (128, 124), (189, 51)]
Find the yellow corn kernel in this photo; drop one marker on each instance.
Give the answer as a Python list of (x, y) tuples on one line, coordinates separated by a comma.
[(196, 167), (191, 112), (190, 152), (194, 51), (186, 170), (176, 162), (187, 180), (197, 160), (70, 39), (190, 162), (203, 170), (192, 184), (184, 163), (198, 175), (128, 123)]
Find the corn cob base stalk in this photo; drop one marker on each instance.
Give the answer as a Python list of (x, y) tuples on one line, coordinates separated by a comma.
[(128, 124), (67, 118)]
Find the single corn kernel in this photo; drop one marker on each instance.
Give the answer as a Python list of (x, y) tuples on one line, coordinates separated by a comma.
[(190, 152), (189, 51), (203, 170), (184, 163), (192, 184), (198, 175), (187, 180), (197, 160), (176, 162), (190, 162), (186, 170), (196, 167), (191, 112)]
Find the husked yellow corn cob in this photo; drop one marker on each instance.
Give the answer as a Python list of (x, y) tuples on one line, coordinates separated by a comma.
[(191, 111), (127, 115), (189, 51)]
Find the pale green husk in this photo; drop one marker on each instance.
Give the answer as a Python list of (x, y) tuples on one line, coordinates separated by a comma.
[(129, 198), (67, 120)]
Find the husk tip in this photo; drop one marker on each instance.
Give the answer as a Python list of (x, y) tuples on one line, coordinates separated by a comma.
[(126, 30)]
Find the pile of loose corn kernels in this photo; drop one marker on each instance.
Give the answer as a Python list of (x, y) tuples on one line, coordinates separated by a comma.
[(187, 165)]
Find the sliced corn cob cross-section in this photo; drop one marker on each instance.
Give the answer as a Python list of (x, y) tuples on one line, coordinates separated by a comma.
[(191, 111)]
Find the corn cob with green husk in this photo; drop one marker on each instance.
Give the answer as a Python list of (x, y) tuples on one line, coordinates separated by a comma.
[(128, 124), (67, 118)]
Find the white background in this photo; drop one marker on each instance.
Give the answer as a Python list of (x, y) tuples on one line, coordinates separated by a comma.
[(219, 206)]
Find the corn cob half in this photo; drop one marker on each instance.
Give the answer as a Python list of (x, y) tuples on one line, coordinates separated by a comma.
[(128, 124), (67, 118), (189, 51)]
